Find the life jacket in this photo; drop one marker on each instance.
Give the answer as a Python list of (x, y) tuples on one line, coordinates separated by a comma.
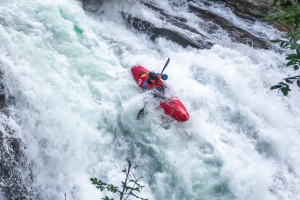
[(148, 85), (157, 84)]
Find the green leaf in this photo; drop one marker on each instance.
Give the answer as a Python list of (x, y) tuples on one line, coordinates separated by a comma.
[(292, 56), (282, 83), (288, 81), (296, 67), (294, 46), (291, 63), (287, 44), (276, 87), (274, 3), (298, 83), (106, 198), (298, 53), (276, 41), (285, 90)]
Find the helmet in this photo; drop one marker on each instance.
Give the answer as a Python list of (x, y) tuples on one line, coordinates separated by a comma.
[(152, 76)]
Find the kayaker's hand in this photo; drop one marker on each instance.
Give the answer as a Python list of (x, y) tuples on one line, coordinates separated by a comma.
[(160, 89), (159, 76)]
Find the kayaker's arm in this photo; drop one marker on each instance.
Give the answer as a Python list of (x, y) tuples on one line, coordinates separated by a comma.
[(164, 76), (145, 88)]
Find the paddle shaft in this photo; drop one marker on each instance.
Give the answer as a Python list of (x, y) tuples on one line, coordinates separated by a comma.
[(165, 66)]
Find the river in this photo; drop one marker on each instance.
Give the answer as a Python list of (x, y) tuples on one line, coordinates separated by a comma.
[(76, 104)]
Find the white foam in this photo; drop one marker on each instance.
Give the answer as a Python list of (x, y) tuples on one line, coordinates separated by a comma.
[(77, 103)]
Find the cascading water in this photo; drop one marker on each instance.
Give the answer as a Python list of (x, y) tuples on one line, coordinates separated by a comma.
[(76, 104)]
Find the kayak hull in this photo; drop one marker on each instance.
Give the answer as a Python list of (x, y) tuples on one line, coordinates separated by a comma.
[(172, 107)]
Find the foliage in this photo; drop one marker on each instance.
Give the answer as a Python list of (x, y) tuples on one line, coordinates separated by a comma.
[(290, 16), (293, 59), (127, 189), (283, 87)]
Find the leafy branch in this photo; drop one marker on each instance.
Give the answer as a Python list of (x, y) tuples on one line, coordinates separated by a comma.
[(127, 189), (290, 16), (284, 87), (294, 59)]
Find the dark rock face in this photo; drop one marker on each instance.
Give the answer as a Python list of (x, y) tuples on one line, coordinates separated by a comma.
[(155, 32), (237, 12), (92, 5), (2, 100), (12, 157), (185, 35), (175, 36), (235, 33), (254, 8), (169, 18), (15, 177), (248, 8), (251, 9)]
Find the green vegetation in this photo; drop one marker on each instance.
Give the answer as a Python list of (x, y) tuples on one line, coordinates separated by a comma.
[(290, 16), (127, 190)]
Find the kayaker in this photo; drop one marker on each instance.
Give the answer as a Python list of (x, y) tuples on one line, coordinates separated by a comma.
[(153, 81)]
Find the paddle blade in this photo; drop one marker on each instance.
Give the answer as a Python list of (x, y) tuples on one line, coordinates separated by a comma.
[(140, 114)]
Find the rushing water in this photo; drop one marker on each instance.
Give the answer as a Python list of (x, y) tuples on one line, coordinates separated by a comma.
[(76, 103)]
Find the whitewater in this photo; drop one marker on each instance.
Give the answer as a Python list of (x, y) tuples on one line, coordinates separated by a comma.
[(76, 104)]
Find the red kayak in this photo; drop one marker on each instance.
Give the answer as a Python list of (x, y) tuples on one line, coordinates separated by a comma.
[(172, 107)]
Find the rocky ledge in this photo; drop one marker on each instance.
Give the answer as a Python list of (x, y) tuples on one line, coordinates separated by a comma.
[(177, 30)]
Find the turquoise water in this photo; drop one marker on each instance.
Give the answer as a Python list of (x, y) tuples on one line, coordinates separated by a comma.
[(76, 104)]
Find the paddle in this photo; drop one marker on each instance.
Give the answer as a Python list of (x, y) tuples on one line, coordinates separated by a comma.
[(165, 66), (141, 112)]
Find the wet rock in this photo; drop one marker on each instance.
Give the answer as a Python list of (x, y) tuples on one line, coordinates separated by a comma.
[(167, 16), (14, 172), (93, 6), (255, 8), (173, 35), (174, 20), (252, 10), (11, 162), (153, 31), (235, 33), (2, 100), (280, 26)]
